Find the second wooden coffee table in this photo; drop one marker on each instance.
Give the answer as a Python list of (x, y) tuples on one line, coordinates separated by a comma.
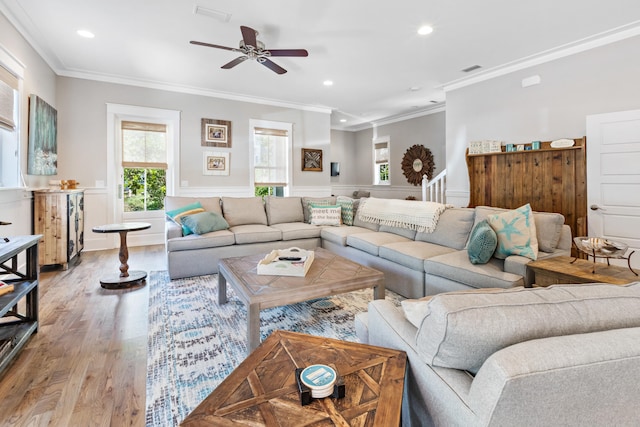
[(329, 274)]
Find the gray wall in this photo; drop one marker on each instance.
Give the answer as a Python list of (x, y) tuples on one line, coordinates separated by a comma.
[(39, 79), (604, 79), (83, 120), (356, 161)]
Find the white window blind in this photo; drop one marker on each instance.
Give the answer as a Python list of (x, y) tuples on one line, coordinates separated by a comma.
[(144, 145), (8, 89), (270, 157), (381, 152)]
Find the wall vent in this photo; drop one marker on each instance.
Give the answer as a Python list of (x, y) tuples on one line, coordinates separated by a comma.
[(472, 68), (212, 13)]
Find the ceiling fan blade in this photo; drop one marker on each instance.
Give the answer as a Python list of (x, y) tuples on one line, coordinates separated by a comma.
[(273, 66), (249, 36), (234, 62), (212, 45), (288, 52)]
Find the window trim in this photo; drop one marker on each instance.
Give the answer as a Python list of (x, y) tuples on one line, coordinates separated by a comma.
[(268, 124), (16, 69), (375, 143)]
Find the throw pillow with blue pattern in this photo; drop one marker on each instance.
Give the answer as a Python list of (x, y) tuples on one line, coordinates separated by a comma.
[(516, 231)]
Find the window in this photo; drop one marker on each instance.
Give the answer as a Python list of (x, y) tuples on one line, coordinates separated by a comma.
[(9, 160), (271, 159), (144, 162), (381, 161)]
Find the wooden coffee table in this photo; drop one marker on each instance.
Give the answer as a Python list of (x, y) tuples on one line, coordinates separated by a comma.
[(329, 274), (563, 269), (262, 389)]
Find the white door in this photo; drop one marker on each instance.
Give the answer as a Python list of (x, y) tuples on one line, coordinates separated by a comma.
[(613, 179)]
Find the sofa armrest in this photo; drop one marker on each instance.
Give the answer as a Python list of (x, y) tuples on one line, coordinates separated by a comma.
[(581, 379), (172, 230)]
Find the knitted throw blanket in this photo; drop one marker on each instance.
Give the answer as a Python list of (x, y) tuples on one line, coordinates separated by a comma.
[(414, 215)]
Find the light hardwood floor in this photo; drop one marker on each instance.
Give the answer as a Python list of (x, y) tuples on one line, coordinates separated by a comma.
[(86, 365)]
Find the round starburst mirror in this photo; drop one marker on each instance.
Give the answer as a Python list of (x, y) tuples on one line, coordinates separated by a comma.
[(416, 162)]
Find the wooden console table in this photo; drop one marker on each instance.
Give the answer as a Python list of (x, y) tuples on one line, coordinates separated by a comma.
[(19, 318), (556, 270)]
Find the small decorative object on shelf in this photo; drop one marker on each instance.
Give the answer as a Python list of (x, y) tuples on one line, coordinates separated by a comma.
[(598, 247), (5, 288)]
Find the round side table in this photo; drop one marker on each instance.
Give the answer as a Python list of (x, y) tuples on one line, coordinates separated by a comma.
[(126, 278)]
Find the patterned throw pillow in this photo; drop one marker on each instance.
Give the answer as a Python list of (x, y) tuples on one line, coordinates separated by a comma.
[(176, 215), (516, 231), (325, 215), (482, 243), (346, 205), (204, 222)]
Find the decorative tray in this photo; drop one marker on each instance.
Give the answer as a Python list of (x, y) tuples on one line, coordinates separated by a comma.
[(599, 247), (286, 262)]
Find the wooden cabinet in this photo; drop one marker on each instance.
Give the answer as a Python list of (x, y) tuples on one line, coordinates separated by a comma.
[(59, 216), (549, 179), (19, 308)]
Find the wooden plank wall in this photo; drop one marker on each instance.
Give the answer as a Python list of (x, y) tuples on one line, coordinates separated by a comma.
[(549, 179)]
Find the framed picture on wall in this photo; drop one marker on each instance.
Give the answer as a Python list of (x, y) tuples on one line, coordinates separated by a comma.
[(216, 133), (311, 160), (214, 163), (42, 157)]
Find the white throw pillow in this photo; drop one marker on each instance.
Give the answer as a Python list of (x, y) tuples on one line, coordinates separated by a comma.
[(326, 215)]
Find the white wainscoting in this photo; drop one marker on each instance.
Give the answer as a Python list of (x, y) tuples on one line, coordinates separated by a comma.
[(16, 207)]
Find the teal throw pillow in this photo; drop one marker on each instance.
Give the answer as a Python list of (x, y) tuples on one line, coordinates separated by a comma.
[(205, 222), (482, 243), (516, 231), (346, 205), (176, 215)]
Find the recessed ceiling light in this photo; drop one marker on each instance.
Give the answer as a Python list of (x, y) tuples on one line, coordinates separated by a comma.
[(343, 120), (86, 34), (414, 88), (424, 30), (327, 83)]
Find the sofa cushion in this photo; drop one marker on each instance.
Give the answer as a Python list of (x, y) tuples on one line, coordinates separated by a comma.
[(516, 231), (283, 209), (374, 226), (400, 231), (482, 243), (326, 215), (339, 235), (452, 230), (209, 204), (306, 201), (347, 209), (255, 233), (456, 266), (244, 210), (411, 254), (461, 330), (297, 230), (209, 240), (177, 214), (205, 222), (371, 242)]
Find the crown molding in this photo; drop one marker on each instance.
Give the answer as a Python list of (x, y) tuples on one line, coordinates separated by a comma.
[(432, 109), (582, 45), (191, 90)]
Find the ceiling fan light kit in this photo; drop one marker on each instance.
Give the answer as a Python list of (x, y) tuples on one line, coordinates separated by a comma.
[(252, 48)]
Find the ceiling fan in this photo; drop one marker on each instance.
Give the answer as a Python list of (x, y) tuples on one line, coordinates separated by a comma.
[(252, 48)]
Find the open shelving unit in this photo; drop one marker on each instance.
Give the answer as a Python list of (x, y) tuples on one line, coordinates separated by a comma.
[(19, 308)]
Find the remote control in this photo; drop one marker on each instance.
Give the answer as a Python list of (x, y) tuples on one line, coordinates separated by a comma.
[(290, 258)]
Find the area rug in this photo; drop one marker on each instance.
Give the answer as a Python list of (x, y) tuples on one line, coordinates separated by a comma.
[(194, 343)]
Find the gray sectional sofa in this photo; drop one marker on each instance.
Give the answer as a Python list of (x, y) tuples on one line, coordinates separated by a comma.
[(415, 263), (566, 355)]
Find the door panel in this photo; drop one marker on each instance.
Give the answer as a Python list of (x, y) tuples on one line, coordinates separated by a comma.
[(613, 177)]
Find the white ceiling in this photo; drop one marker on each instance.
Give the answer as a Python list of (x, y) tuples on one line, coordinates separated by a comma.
[(370, 49)]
